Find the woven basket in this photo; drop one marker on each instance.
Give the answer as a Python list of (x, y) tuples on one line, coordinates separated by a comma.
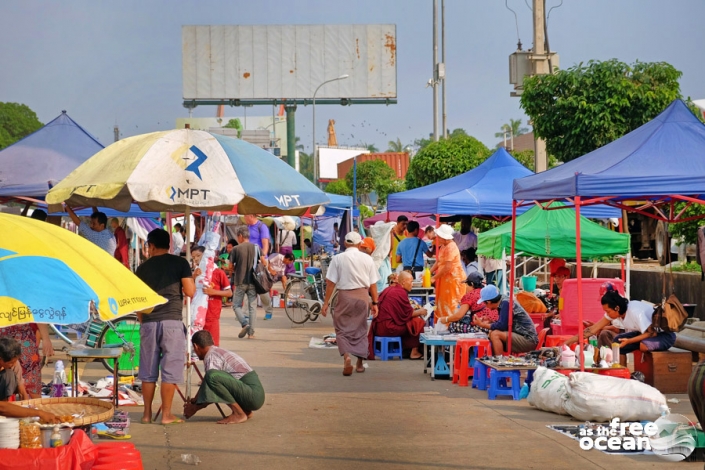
[(93, 409)]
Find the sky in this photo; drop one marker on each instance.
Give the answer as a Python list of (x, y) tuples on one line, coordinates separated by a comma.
[(120, 62)]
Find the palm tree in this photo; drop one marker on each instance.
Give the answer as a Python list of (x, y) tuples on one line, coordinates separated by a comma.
[(371, 147), (395, 146), (513, 128)]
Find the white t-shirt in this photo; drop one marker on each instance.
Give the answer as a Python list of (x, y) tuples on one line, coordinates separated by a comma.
[(352, 269), (469, 240), (178, 242), (639, 316)]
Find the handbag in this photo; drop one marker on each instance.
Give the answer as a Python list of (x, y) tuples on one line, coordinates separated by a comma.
[(261, 278), (670, 316)]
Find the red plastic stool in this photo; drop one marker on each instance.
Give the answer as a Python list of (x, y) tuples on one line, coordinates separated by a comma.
[(466, 351), (556, 340), (115, 445)]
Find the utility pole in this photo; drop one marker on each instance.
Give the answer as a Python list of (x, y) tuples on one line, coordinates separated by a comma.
[(442, 67), (291, 134), (540, 68), (116, 133), (435, 70)]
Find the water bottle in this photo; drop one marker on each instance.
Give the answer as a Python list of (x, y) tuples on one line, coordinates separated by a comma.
[(615, 353), (57, 384), (55, 438)]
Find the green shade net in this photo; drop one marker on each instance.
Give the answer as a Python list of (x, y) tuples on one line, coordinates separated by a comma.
[(551, 233)]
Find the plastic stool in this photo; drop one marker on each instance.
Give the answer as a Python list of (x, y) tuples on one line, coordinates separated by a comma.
[(388, 347), (466, 351), (441, 366), (480, 372), (497, 388)]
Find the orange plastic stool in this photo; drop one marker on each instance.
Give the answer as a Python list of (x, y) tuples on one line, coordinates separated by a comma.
[(464, 349)]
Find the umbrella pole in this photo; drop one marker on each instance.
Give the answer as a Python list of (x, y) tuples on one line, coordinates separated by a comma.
[(187, 224), (579, 277)]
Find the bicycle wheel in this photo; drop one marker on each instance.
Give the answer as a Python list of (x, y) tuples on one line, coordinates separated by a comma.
[(124, 333), (296, 289)]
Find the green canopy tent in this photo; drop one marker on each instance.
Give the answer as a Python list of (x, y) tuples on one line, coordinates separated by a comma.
[(551, 234)]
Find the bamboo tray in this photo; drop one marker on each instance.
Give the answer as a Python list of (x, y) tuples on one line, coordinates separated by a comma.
[(92, 410)]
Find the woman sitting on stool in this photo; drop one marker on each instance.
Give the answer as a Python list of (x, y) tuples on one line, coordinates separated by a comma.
[(636, 317), (461, 320)]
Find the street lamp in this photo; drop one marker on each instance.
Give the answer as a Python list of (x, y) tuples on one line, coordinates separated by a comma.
[(315, 156)]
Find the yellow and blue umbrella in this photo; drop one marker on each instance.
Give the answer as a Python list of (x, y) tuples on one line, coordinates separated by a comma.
[(179, 169), (51, 275)]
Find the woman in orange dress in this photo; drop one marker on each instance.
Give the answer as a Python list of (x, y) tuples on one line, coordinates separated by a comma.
[(449, 273)]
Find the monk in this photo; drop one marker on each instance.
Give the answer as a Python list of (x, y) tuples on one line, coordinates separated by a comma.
[(397, 318)]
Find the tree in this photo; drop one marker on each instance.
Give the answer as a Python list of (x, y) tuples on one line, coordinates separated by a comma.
[(374, 175), (17, 121), (339, 187), (587, 106), (371, 147), (526, 158), (395, 146), (235, 124), (514, 128), (306, 165), (444, 159)]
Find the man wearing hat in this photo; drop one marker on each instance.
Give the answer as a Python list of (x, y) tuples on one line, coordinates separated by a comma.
[(354, 275), (524, 337)]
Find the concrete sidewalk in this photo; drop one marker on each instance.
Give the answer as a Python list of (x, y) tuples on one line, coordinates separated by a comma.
[(392, 416)]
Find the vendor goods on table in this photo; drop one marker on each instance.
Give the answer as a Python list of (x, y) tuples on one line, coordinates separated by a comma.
[(9, 433), (89, 410)]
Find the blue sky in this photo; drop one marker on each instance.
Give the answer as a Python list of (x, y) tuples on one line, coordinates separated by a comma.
[(107, 62)]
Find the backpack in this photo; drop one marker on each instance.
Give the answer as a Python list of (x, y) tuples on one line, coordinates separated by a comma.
[(700, 251), (670, 316)]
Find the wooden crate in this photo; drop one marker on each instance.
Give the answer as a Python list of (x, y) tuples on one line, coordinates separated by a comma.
[(667, 371)]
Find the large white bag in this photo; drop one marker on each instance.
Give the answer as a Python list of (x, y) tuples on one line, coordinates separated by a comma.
[(600, 398), (549, 391)]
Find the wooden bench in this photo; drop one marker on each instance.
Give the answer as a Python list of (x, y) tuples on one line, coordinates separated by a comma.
[(668, 371)]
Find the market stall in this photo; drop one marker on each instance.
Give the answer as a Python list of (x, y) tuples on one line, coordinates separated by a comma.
[(658, 166)]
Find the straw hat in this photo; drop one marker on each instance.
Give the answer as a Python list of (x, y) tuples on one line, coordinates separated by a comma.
[(445, 232), (288, 223)]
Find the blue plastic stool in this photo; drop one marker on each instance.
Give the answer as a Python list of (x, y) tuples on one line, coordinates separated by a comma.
[(479, 379), (498, 388), (441, 366), (388, 347)]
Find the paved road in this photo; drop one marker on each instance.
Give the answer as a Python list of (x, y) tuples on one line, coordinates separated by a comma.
[(392, 416)]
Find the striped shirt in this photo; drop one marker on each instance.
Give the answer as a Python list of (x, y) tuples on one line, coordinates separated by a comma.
[(226, 361), (104, 239)]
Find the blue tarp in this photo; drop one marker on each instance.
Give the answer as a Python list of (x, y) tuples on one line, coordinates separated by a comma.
[(134, 211), (483, 191), (45, 157), (337, 205), (665, 156)]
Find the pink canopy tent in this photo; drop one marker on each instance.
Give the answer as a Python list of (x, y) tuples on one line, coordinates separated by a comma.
[(423, 220)]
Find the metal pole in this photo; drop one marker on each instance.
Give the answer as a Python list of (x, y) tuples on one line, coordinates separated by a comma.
[(189, 351), (291, 135), (435, 70), (354, 187), (443, 61), (512, 277), (579, 278), (274, 126)]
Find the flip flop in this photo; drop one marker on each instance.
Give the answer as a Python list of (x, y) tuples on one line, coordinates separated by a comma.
[(177, 421), (145, 422), (347, 370), (359, 371)]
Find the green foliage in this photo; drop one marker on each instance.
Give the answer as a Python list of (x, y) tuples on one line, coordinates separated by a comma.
[(690, 267), (375, 175), (526, 158), (235, 124), (371, 147), (395, 146), (17, 121), (339, 187), (514, 127), (365, 212), (688, 231), (444, 159), (306, 165), (587, 106)]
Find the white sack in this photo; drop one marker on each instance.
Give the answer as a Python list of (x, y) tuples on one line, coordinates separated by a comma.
[(549, 391), (600, 398)]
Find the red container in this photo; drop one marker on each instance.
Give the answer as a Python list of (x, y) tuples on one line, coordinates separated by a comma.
[(592, 307)]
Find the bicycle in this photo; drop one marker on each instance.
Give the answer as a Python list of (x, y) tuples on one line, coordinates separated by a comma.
[(122, 333), (304, 296)]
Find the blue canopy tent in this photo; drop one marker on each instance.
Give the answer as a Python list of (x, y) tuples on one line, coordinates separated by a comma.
[(483, 191), (658, 165), (334, 212), (28, 168)]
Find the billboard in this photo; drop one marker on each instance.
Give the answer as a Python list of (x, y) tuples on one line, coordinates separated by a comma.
[(289, 61), (328, 159)]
